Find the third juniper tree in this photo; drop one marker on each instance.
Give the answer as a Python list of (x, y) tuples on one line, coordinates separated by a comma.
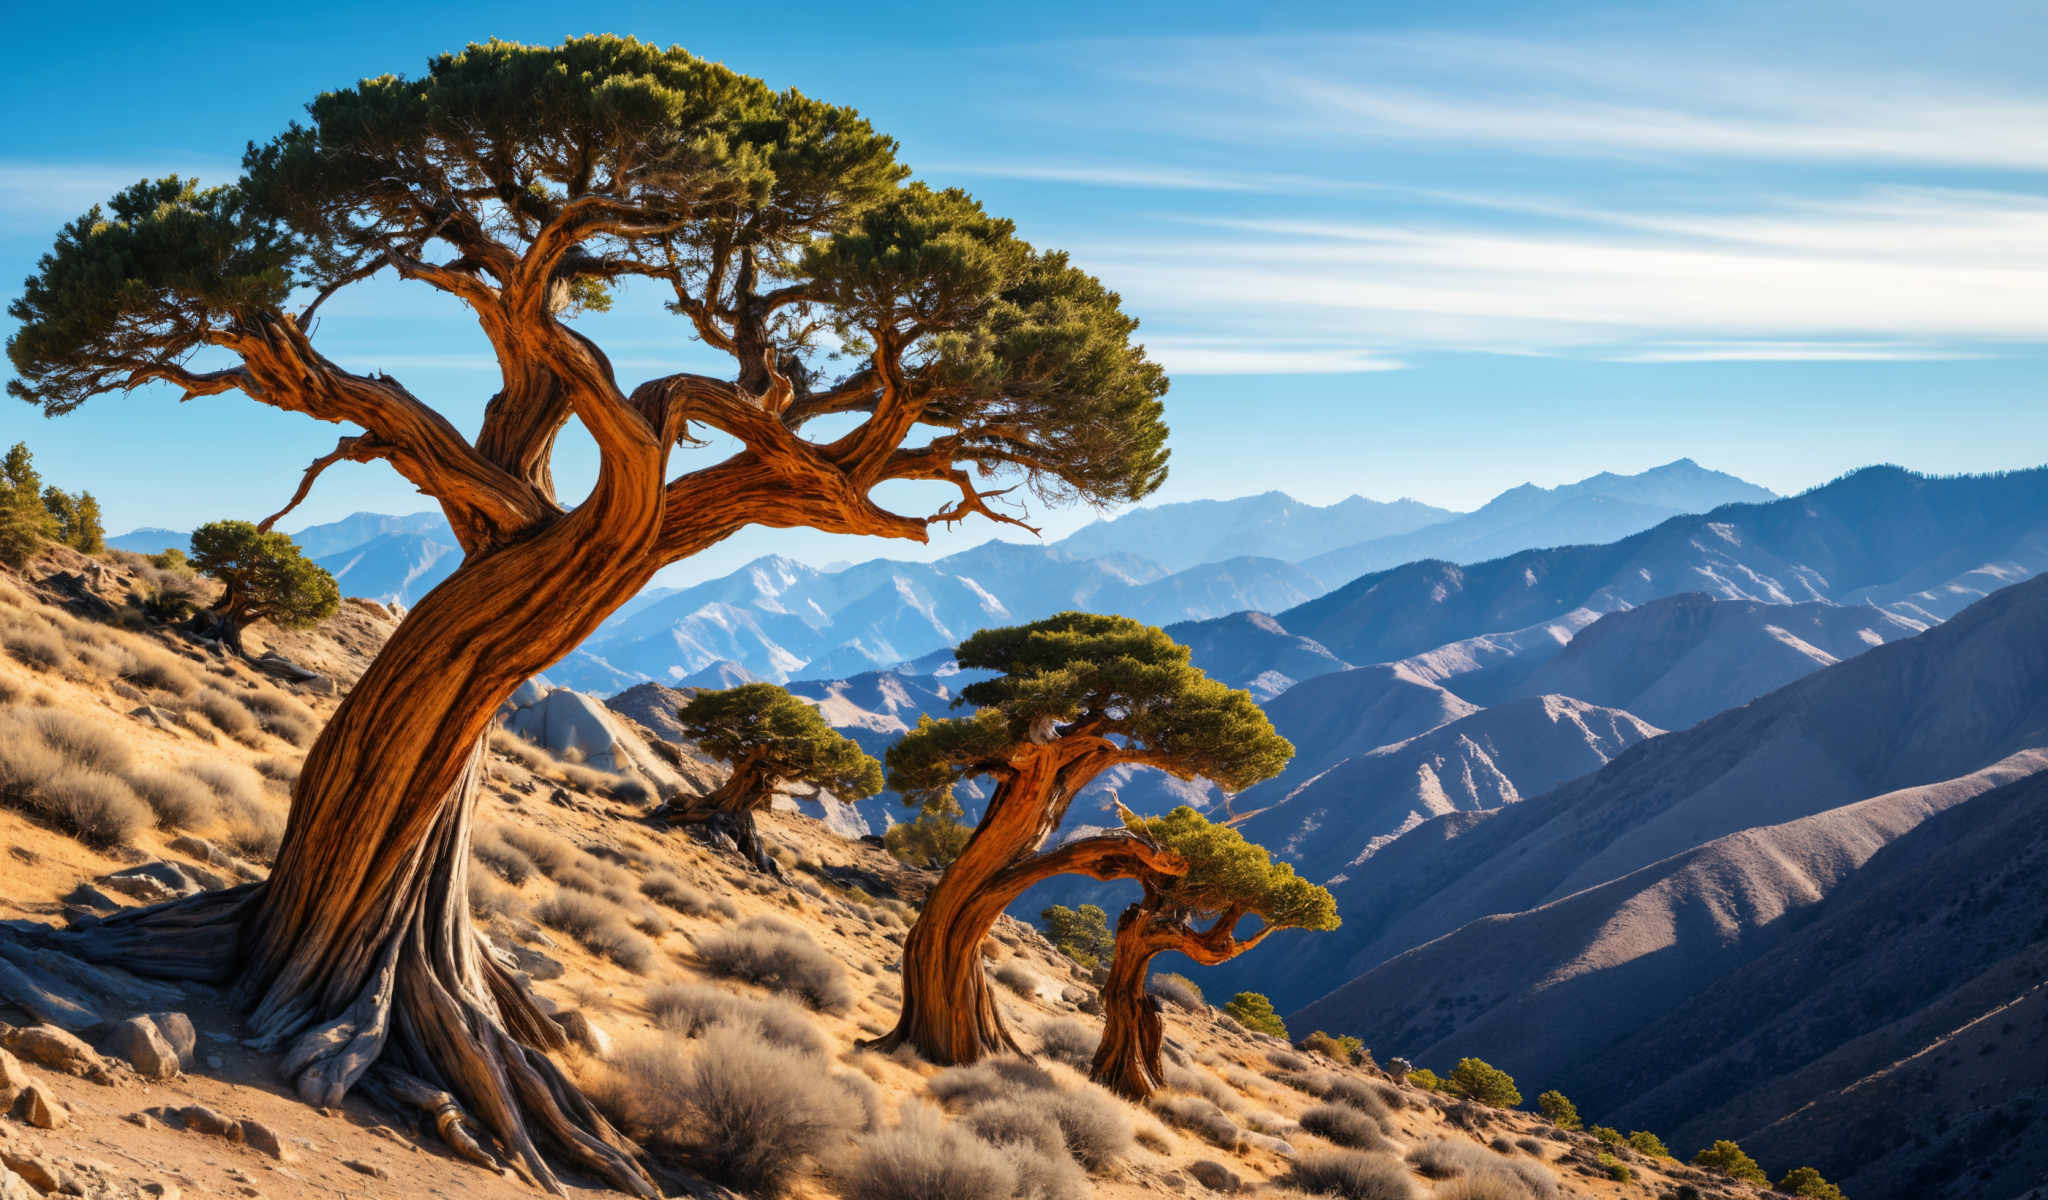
[(769, 738)]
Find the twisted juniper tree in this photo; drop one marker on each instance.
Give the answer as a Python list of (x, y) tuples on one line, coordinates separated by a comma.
[(878, 330), (263, 577), (1195, 909), (1075, 695), (769, 738)]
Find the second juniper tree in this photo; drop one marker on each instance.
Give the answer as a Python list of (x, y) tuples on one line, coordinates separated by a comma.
[(1073, 696)]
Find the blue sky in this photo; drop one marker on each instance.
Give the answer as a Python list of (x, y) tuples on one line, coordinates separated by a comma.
[(1393, 249)]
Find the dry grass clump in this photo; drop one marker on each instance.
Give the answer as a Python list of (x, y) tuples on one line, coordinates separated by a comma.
[(82, 742), (1489, 1185), (61, 771), (1177, 989), (1199, 1117), (598, 926), (1352, 1175), (284, 717), (1205, 1085), (545, 851), (280, 770), (507, 861), (155, 670), (1033, 1143), (256, 833), (666, 888), (1358, 1094), (1345, 1126), (692, 1008), (179, 801), (1446, 1158), (780, 957), (228, 714), (491, 897), (1017, 977), (751, 1116), (1072, 1042), (1095, 1127), (38, 648), (925, 1158)]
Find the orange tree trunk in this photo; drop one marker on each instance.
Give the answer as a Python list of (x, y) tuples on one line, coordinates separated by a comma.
[(358, 956), (1127, 1060), (949, 1013)]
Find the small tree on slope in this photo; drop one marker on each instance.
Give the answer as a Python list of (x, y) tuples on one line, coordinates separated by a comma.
[(1196, 911), (874, 330), (1074, 695), (769, 738), (263, 577)]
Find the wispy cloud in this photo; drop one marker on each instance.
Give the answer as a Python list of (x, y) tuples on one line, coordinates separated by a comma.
[(1922, 267), (1716, 352), (1246, 356), (1591, 98)]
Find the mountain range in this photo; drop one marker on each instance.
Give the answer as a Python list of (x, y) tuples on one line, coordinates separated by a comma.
[(778, 619)]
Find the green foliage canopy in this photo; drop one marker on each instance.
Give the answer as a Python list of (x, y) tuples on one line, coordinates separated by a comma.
[(1559, 1109), (528, 181), (1808, 1183), (1477, 1079), (1090, 675), (784, 738), (1255, 1012), (1081, 934), (1226, 873), (1728, 1158), (265, 576)]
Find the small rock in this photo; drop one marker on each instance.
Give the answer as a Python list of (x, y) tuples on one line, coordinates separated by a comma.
[(1215, 1176), (177, 1030), (40, 1109), (52, 1047), (362, 1168), (143, 1120), (199, 848), (215, 1062), (585, 1032), (12, 1078), (261, 1137), (159, 1190), (14, 1187), (533, 962), (152, 716), (171, 878), (86, 895), (138, 1042), (38, 1174), (200, 1119)]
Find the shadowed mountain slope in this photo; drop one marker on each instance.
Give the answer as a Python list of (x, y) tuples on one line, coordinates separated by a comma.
[(1940, 705), (1676, 661)]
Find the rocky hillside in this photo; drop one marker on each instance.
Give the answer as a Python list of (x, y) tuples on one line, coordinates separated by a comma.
[(139, 764)]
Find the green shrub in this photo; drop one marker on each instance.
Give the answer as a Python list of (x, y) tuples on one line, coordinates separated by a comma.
[(1081, 934), (1807, 1182), (1648, 1143), (1343, 1049), (1426, 1079), (1477, 1079), (1255, 1012), (1616, 1169), (934, 839), (1608, 1134), (1560, 1111), (1727, 1158)]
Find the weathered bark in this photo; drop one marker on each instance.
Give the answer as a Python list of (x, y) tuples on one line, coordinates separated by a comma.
[(1127, 1060), (358, 954), (949, 1014)]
